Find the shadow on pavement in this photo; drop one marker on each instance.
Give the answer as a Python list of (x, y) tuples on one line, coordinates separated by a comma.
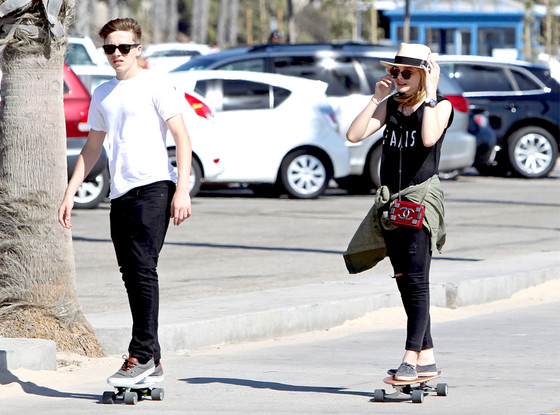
[(256, 384), (31, 388)]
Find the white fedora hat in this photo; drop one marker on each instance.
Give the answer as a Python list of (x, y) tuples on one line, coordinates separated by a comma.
[(410, 54)]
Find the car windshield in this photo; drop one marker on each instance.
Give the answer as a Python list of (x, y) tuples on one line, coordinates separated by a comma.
[(206, 61), (77, 55)]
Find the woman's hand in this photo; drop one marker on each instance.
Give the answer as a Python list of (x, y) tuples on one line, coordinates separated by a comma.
[(383, 87), (433, 73)]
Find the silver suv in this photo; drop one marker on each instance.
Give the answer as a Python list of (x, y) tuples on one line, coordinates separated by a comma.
[(351, 71)]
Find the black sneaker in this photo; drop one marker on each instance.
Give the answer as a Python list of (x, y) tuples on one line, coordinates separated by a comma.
[(131, 372), (406, 372), (423, 371)]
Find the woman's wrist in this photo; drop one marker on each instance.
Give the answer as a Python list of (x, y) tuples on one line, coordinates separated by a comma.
[(374, 100)]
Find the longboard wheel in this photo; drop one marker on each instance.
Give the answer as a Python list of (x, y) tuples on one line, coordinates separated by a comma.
[(157, 394), (109, 397), (417, 396), (130, 398), (441, 389), (379, 395)]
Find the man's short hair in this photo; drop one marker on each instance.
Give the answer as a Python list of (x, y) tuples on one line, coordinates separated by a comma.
[(126, 24)]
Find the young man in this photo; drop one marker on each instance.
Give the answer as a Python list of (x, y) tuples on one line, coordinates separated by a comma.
[(134, 111)]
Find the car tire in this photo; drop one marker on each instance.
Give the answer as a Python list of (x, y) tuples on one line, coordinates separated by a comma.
[(196, 172), (304, 175), (532, 152), (92, 192)]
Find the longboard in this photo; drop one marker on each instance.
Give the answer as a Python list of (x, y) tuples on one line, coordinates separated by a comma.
[(132, 394), (410, 389)]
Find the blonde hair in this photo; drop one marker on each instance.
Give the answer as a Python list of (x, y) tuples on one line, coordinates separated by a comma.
[(419, 95)]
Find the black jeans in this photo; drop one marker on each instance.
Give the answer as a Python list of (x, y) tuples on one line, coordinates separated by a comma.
[(139, 221), (410, 253)]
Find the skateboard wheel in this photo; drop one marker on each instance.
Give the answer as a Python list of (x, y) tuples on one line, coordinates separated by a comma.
[(157, 394), (417, 396), (379, 395), (130, 398), (109, 397), (441, 389)]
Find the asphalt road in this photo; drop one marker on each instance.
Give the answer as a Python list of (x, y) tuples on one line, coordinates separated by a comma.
[(235, 242)]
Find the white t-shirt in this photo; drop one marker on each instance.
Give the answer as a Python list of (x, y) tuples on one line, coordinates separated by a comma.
[(133, 113)]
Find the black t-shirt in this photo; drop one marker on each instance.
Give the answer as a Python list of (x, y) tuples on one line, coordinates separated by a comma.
[(419, 163)]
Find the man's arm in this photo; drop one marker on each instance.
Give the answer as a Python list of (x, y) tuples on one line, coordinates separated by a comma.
[(86, 160), (181, 202)]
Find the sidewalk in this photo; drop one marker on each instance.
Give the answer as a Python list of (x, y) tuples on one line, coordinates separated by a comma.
[(273, 313)]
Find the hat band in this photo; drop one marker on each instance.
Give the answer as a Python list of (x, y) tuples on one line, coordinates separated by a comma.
[(404, 60)]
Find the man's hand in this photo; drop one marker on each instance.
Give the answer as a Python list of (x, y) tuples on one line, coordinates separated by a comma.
[(180, 206), (65, 212)]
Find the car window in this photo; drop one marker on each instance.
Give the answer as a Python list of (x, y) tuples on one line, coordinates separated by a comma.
[(374, 71), (524, 82), (251, 65), (244, 95), (280, 95), (77, 55), (338, 72), (479, 78), (201, 87)]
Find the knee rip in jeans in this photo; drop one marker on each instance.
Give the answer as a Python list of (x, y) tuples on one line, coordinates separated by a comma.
[(399, 274)]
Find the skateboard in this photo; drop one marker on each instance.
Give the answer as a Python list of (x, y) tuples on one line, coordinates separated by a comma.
[(413, 389), (132, 394)]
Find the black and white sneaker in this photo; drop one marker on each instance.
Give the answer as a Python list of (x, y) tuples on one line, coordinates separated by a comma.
[(131, 372), (155, 377), (423, 371), (406, 372)]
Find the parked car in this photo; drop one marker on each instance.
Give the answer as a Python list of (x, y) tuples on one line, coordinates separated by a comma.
[(351, 71), (76, 106), (164, 57), (274, 129), (486, 139), (523, 102), (198, 118), (80, 50)]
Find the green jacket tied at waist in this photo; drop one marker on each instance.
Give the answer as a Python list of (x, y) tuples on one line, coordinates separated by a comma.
[(367, 246)]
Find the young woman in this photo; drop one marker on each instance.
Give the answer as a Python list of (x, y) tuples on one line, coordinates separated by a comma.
[(415, 120)]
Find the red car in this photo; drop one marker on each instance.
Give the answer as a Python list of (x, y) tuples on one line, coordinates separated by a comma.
[(76, 104)]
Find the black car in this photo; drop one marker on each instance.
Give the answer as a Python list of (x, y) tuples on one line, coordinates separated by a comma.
[(523, 102)]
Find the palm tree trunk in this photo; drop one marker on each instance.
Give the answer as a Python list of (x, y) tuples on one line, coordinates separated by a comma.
[(37, 277)]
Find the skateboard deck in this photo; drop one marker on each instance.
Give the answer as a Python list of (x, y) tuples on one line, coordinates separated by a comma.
[(132, 394), (414, 390)]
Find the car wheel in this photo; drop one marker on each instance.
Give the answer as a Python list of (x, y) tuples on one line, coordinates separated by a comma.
[(532, 152), (196, 172), (304, 175), (92, 192)]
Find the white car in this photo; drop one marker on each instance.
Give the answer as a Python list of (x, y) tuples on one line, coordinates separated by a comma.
[(206, 161), (164, 57), (351, 71), (273, 129)]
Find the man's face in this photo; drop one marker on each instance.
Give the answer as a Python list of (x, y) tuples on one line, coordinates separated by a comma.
[(120, 62)]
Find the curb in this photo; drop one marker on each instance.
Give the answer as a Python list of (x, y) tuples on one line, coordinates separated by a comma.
[(275, 313)]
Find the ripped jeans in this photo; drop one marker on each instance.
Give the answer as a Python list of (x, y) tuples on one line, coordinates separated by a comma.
[(410, 253)]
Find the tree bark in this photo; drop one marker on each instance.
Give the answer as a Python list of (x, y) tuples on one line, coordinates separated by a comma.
[(37, 276)]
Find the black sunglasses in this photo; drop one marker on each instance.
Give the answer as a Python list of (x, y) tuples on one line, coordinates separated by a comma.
[(406, 74), (124, 48)]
